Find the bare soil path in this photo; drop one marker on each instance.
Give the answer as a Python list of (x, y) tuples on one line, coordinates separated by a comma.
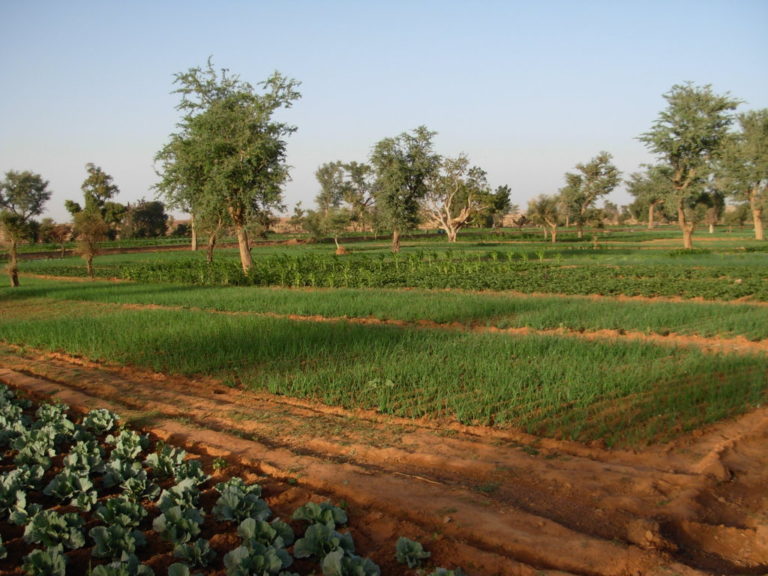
[(491, 502)]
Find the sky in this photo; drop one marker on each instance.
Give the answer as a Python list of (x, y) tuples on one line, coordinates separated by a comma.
[(526, 90)]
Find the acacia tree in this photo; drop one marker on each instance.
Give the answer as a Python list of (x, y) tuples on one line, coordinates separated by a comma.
[(229, 155), (330, 218), (745, 165), (455, 194), (404, 166), (99, 190), (545, 210), (650, 189), (688, 136), (90, 230), (595, 179), (358, 192), (22, 196)]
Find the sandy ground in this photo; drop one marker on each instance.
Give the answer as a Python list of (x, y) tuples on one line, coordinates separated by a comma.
[(490, 502)]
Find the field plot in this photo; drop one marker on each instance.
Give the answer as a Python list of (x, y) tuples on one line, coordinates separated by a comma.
[(546, 426)]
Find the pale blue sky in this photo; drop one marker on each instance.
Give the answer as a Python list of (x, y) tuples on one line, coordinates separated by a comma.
[(526, 89)]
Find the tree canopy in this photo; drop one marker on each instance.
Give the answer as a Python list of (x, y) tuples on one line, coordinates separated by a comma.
[(22, 196), (688, 135), (404, 166), (228, 157)]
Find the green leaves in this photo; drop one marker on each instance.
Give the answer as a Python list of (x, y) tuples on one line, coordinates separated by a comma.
[(410, 552)]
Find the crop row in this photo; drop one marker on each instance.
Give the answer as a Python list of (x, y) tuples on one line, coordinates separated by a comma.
[(620, 391), (493, 309), (502, 271), (70, 486)]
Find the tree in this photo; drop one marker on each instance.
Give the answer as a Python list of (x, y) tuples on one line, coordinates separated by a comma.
[(90, 230), (650, 189), (454, 195), (229, 155), (358, 193), (687, 137), (595, 179), (330, 176), (404, 166), (745, 165), (499, 204), (146, 219), (53, 233), (545, 210), (331, 218), (98, 191), (22, 196)]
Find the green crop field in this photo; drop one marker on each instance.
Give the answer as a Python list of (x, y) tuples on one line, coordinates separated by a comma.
[(432, 352)]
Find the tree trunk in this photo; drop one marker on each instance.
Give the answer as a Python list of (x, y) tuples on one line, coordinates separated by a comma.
[(245, 251), (211, 246), (685, 226), (89, 266), (579, 231), (395, 241), (757, 216), (711, 228), (194, 233), (553, 234), (452, 233), (13, 265), (651, 215)]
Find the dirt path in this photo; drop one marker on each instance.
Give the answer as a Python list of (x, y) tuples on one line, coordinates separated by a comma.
[(490, 502)]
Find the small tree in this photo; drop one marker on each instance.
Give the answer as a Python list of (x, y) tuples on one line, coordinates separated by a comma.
[(98, 191), (404, 166), (53, 233), (595, 179), (358, 193), (455, 195), (22, 196), (745, 165), (688, 136), (145, 219), (650, 189), (545, 211), (90, 230)]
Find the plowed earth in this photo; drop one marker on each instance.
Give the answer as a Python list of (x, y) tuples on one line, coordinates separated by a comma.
[(490, 502)]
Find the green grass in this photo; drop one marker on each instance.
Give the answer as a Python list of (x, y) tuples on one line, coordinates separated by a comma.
[(486, 309), (565, 387)]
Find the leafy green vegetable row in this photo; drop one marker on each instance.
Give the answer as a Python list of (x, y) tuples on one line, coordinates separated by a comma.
[(492, 271), (115, 491)]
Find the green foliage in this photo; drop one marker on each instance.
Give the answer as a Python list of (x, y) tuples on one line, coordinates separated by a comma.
[(277, 533), (48, 562), (410, 552), (127, 444), (323, 513), (121, 511), (184, 494), (238, 501), (165, 460), (339, 563), (115, 541), (100, 421), (127, 565), (50, 528), (196, 553), (256, 559), (178, 525), (74, 486), (319, 540)]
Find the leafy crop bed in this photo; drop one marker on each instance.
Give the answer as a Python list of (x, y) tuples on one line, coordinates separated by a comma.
[(487, 270), (79, 494)]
